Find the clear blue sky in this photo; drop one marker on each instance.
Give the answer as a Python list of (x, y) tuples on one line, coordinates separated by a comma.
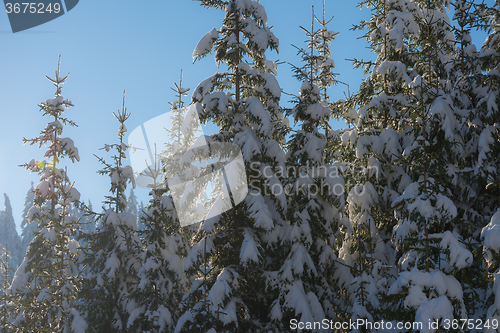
[(139, 46)]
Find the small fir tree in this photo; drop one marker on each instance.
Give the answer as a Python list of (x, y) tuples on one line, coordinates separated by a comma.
[(231, 250), (132, 205), (315, 192), (45, 286), (9, 236), (6, 305), (111, 264), (28, 228), (162, 281)]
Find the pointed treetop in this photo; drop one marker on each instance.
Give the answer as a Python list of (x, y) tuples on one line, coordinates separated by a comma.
[(122, 116), (180, 91), (58, 81)]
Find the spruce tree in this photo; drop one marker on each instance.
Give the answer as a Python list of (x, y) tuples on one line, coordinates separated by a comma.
[(86, 220), (182, 134), (6, 305), (132, 205), (9, 236), (45, 286), (140, 215), (161, 279), (428, 237), (111, 263), (490, 234), (468, 186), (488, 149), (28, 228), (315, 195), (371, 151), (232, 249)]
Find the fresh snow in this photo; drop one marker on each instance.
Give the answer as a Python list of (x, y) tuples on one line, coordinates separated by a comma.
[(205, 44)]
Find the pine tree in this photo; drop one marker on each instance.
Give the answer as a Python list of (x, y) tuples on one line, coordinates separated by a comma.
[(87, 218), (140, 216), (371, 151), (45, 286), (232, 249), (28, 228), (6, 273), (315, 194), (86, 221), (428, 236), (490, 233), (9, 236), (111, 263), (132, 205), (162, 282), (468, 187), (182, 135), (487, 130)]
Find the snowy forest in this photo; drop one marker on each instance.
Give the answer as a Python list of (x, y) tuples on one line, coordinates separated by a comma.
[(391, 224)]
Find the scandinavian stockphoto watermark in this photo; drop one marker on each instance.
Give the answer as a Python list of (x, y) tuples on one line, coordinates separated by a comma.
[(197, 170), (25, 15), (311, 181)]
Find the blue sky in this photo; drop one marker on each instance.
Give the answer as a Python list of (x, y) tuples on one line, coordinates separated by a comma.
[(140, 47)]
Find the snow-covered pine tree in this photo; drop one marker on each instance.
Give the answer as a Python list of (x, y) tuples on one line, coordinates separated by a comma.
[(325, 66), (467, 186), (182, 135), (140, 215), (87, 218), (9, 236), (490, 234), (45, 286), (6, 274), (430, 252), (234, 248), (132, 204), (111, 263), (305, 287), (162, 281), (371, 151), (87, 222), (485, 118), (488, 150), (161, 278), (28, 228)]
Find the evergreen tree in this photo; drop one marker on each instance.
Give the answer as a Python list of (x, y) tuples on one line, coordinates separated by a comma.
[(428, 236), (28, 228), (161, 279), (232, 250), (6, 273), (468, 187), (9, 237), (490, 233), (140, 216), (487, 130), (182, 134), (132, 205), (315, 194), (371, 151), (87, 218), (45, 286), (111, 263), (86, 221)]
